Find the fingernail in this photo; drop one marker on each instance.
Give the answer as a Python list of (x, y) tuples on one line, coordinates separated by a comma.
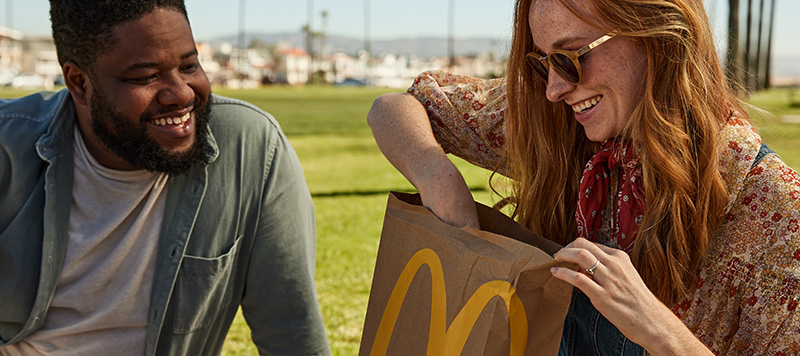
[(554, 270)]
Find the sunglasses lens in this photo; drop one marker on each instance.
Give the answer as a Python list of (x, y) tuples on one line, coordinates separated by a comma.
[(537, 66), (540, 69), (565, 68)]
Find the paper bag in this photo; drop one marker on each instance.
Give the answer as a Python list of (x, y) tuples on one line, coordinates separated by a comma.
[(441, 290)]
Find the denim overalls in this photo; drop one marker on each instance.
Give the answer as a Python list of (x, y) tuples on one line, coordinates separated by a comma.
[(588, 333)]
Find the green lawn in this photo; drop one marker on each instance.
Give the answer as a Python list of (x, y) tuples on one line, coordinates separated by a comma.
[(350, 180)]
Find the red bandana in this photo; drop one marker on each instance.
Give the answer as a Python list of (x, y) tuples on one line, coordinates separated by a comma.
[(594, 194)]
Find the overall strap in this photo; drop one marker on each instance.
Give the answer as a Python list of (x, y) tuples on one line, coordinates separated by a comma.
[(761, 153)]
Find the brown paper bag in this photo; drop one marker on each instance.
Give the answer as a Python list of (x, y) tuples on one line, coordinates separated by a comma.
[(441, 290)]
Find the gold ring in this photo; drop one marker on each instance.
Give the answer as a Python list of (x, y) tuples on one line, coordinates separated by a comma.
[(590, 271)]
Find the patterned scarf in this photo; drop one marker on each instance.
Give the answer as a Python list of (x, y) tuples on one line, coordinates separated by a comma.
[(594, 187)]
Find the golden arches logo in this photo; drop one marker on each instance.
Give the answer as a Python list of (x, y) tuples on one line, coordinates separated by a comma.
[(443, 341)]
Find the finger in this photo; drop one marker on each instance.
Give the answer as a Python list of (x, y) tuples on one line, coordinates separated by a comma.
[(578, 280), (597, 249), (610, 251), (580, 256)]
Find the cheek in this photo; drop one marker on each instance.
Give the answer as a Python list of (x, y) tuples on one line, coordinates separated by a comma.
[(131, 102), (140, 103), (200, 84)]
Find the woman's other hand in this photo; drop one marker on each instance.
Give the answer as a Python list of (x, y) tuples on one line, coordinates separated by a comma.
[(616, 290)]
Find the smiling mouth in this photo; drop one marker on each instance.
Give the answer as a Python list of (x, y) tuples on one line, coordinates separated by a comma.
[(586, 105), (172, 120)]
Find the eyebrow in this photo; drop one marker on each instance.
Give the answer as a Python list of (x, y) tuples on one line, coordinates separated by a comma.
[(143, 65), (560, 43)]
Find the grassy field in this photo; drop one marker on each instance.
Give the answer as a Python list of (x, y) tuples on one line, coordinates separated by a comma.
[(349, 180)]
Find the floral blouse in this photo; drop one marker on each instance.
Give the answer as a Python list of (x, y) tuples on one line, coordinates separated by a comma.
[(748, 288)]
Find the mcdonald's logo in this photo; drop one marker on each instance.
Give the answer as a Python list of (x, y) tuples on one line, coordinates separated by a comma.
[(441, 340)]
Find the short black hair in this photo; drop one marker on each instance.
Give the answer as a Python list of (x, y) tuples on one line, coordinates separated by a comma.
[(83, 29)]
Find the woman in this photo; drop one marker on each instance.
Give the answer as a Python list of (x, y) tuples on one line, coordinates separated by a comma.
[(686, 225)]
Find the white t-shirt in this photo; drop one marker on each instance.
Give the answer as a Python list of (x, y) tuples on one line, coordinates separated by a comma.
[(102, 298)]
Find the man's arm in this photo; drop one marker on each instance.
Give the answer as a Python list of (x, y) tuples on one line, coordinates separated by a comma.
[(280, 301)]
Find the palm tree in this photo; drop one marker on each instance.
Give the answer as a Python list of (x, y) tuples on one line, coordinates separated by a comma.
[(451, 37), (768, 71), (733, 57), (324, 32)]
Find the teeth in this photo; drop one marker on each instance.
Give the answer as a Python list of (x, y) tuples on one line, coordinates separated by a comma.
[(172, 120), (586, 105)]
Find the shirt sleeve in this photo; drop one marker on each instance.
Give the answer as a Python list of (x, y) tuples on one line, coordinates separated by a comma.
[(746, 301), (466, 114), (280, 301)]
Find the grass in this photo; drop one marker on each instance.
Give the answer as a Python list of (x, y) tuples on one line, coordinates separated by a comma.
[(780, 136), (349, 180)]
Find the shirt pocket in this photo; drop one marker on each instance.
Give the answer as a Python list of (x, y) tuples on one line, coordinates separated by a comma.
[(203, 289)]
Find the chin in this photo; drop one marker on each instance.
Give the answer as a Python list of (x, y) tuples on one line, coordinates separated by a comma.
[(179, 148), (598, 137)]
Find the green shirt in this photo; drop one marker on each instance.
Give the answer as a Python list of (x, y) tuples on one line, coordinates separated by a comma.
[(237, 231)]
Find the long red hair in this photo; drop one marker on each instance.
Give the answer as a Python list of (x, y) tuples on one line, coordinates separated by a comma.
[(675, 128)]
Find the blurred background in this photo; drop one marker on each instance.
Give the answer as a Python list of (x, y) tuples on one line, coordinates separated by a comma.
[(246, 44)]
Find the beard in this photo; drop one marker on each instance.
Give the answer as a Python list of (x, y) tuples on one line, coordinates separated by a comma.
[(131, 142)]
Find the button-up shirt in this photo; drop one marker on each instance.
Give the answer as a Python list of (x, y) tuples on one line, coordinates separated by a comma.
[(237, 231)]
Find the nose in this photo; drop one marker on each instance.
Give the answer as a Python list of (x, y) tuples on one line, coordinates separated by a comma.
[(176, 91), (557, 87)]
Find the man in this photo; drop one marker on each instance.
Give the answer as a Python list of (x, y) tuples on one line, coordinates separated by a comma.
[(138, 211)]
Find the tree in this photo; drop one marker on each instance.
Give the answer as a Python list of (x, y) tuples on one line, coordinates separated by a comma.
[(748, 59), (733, 58)]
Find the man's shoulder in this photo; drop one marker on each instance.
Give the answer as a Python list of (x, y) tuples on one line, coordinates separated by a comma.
[(237, 123), (30, 116), (238, 113), (38, 107)]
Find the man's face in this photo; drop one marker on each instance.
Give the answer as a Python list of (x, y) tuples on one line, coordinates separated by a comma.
[(149, 97)]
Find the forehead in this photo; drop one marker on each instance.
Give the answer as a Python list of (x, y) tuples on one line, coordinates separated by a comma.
[(160, 35), (552, 23)]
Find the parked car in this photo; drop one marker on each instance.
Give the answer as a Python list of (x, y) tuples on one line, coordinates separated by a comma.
[(350, 82), (31, 81), (7, 75)]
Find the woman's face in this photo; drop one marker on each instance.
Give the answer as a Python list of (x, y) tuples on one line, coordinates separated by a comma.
[(612, 72)]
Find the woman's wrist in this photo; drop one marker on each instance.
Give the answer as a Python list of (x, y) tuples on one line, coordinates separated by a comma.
[(669, 336), (444, 191)]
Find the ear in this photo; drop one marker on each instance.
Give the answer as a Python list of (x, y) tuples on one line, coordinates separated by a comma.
[(77, 81)]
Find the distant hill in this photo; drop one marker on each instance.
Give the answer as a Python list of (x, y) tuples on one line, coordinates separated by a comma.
[(421, 47), (437, 47)]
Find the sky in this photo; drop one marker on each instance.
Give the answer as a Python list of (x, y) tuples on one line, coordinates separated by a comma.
[(389, 18)]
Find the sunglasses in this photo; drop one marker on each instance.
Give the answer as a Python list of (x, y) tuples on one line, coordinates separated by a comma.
[(567, 64)]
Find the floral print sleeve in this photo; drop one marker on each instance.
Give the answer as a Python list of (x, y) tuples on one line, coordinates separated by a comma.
[(748, 290), (466, 115)]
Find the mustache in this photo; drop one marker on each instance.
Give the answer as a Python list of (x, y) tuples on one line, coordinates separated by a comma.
[(196, 103)]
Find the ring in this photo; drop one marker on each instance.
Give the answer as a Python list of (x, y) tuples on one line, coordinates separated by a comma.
[(590, 271)]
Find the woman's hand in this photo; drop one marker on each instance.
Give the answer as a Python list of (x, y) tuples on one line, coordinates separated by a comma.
[(618, 292), (403, 132)]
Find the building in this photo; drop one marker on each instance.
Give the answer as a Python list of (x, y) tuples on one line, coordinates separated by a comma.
[(10, 54)]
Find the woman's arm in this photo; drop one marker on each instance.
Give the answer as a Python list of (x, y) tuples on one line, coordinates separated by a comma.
[(403, 132)]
